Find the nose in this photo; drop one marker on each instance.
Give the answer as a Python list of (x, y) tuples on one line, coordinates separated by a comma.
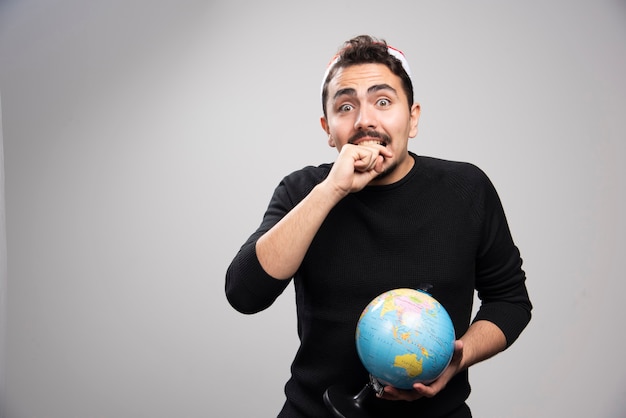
[(366, 119)]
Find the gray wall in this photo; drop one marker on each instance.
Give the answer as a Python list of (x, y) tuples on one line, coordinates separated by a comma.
[(3, 273), (142, 142)]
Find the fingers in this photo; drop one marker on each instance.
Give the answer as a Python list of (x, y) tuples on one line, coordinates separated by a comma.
[(365, 160), (369, 163), (369, 157), (427, 391), (393, 394), (356, 166), (421, 390)]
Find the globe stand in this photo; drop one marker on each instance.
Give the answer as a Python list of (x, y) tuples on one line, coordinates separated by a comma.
[(343, 404)]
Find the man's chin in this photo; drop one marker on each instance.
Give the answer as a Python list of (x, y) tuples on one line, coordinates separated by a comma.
[(386, 172)]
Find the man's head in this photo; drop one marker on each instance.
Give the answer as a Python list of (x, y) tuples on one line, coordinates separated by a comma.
[(365, 49), (368, 101)]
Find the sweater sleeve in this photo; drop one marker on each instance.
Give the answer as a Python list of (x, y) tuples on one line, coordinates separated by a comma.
[(500, 279), (249, 289)]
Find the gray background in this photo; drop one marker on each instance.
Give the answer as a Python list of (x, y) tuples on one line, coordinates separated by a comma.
[(143, 140)]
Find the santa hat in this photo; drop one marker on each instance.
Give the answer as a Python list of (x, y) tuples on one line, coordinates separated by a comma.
[(393, 51)]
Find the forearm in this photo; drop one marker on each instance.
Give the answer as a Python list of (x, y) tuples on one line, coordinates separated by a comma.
[(482, 340), (281, 249)]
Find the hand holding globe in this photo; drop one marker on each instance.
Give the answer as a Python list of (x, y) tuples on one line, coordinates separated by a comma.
[(403, 337)]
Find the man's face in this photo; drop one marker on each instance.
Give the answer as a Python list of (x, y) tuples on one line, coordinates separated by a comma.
[(367, 105)]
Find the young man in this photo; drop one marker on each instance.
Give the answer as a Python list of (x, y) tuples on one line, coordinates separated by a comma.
[(379, 218)]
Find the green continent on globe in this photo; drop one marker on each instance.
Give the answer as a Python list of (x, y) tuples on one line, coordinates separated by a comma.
[(410, 364)]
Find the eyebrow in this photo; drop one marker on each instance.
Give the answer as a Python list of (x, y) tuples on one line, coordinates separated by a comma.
[(349, 91)]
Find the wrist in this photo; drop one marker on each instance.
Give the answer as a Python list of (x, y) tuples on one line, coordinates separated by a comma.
[(330, 191)]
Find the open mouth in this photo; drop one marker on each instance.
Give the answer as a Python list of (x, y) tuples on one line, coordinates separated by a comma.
[(370, 138), (373, 142)]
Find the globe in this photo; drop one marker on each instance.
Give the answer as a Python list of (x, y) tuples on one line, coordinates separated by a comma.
[(405, 336)]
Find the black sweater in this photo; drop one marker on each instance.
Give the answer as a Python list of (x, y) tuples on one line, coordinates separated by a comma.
[(442, 225)]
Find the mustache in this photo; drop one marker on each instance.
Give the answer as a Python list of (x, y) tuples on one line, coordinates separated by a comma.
[(370, 134)]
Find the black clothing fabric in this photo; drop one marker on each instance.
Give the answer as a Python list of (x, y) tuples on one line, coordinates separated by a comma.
[(442, 225)]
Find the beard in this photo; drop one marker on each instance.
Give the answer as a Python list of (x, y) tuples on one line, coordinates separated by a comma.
[(387, 171)]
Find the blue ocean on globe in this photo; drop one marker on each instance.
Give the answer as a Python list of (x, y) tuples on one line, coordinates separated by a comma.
[(405, 336)]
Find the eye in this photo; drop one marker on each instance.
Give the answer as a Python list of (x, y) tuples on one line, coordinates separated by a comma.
[(383, 102), (345, 108)]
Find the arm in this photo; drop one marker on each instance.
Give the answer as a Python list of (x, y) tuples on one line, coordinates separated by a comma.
[(505, 308), (482, 340), (277, 248), (282, 249)]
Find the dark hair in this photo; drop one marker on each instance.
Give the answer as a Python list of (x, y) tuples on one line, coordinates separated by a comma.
[(365, 49)]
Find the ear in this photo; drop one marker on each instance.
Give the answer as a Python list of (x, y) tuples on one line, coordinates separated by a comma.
[(415, 117), (324, 123)]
